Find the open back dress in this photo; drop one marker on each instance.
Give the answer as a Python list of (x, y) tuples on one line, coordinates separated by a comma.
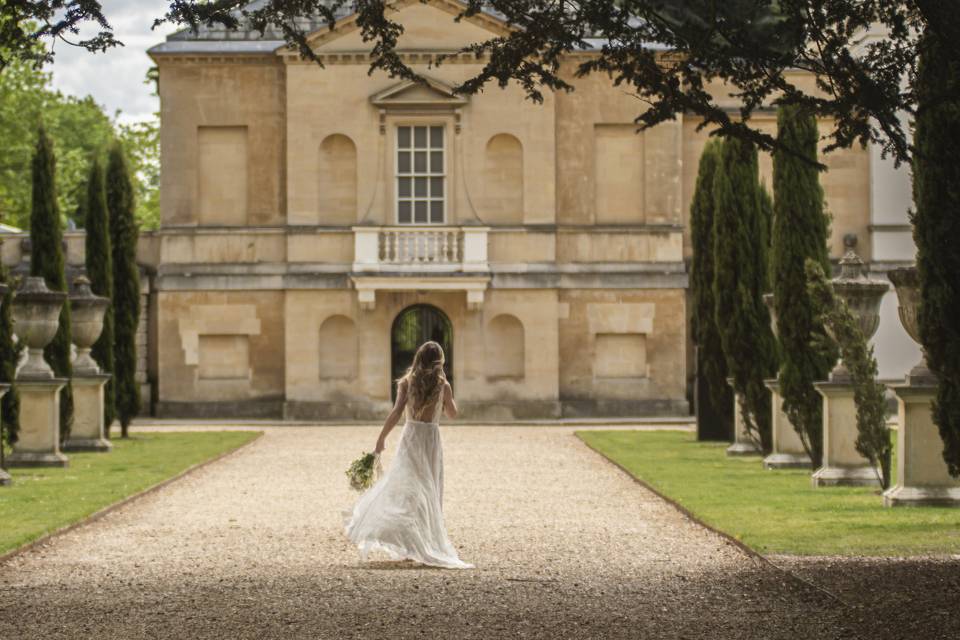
[(402, 513)]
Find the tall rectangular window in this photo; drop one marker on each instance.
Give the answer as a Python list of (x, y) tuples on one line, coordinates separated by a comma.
[(421, 176)]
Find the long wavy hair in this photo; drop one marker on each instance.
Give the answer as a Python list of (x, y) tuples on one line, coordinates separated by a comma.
[(425, 377)]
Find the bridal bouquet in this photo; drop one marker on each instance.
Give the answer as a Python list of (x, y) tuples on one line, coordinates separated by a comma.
[(364, 471)]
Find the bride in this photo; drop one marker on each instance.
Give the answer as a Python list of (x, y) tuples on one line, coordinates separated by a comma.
[(402, 513)]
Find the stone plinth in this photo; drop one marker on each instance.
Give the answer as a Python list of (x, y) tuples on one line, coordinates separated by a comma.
[(788, 451), (38, 442), (842, 463), (87, 431), (5, 478), (743, 444), (922, 477)]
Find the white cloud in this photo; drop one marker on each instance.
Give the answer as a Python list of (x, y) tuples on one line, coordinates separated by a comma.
[(115, 79)]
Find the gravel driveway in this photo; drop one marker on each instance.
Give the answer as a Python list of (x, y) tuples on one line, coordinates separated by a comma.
[(566, 546)]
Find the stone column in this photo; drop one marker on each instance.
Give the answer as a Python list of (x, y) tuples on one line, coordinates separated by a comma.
[(786, 447), (788, 451), (88, 381), (922, 477), (38, 443), (5, 478), (842, 463), (36, 317), (87, 431), (743, 444)]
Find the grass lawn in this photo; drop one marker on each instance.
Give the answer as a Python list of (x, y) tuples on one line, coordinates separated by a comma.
[(43, 500), (776, 511)]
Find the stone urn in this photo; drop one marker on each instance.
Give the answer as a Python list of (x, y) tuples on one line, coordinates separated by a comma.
[(86, 315), (862, 296), (906, 281), (36, 318)]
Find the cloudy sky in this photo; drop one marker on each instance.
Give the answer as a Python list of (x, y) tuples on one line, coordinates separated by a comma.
[(115, 78)]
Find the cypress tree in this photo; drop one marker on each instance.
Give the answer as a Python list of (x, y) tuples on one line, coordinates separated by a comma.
[(9, 357), (126, 286), (46, 238), (936, 227), (766, 224), (714, 396), (100, 271), (740, 279), (800, 231)]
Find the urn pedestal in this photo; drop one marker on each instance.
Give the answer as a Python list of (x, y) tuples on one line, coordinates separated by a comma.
[(921, 474), (87, 433), (842, 463), (38, 442), (5, 478), (922, 477), (743, 444), (787, 451)]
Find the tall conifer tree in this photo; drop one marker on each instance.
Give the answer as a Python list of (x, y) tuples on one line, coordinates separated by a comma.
[(800, 230), (100, 272), (714, 396), (9, 357), (936, 220), (46, 260), (126, 286), (740, 279)]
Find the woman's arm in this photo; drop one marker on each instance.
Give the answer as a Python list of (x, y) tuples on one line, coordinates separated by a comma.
[(449, 404), (393, 418)]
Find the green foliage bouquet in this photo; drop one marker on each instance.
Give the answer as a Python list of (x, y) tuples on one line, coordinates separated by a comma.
[(364, 471)]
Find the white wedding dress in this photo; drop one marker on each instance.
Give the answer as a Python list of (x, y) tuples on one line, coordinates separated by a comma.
[(402, 513)]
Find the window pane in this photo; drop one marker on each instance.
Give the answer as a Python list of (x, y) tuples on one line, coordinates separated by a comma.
[(420, 162), (436, 211), (436, 137), (420, 211), (403, 187), (420, 137), (403, 137), (436, 162), (420, 187), (403, 162), (403, 211), (436, 187)]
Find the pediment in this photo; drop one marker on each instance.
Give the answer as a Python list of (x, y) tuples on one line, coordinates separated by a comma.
[(431, 93), (427, 26)]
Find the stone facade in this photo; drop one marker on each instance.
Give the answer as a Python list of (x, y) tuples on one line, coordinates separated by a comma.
[(556, 249), (299, 220)]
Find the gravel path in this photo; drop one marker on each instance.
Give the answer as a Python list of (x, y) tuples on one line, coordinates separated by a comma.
[(566, 546)]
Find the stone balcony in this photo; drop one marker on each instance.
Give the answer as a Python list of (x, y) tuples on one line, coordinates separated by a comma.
[(420, 257)]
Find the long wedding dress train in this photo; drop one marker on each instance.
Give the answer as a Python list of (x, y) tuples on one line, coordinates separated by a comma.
[(402, 513)]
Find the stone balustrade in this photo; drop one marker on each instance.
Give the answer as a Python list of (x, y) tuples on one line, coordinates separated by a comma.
[(420, 248)]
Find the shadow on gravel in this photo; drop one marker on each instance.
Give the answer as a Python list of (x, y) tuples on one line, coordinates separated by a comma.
[(881, 600), (908, 598)]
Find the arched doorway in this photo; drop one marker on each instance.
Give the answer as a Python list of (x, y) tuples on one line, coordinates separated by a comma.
[(411, 328)]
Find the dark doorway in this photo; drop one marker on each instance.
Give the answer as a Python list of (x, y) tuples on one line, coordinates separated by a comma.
[(411, 328)]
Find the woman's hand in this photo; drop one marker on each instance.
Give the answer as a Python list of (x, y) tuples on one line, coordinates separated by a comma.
[(380, 445)]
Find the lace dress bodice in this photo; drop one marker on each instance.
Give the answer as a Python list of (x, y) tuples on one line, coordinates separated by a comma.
[(410, 414)]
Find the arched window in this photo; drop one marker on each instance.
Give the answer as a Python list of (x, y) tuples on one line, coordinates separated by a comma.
[(338, 348), (338, 180), (505, 348), (503, 181)]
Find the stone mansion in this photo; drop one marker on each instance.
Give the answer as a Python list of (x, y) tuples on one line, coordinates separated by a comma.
[(319, 223)]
